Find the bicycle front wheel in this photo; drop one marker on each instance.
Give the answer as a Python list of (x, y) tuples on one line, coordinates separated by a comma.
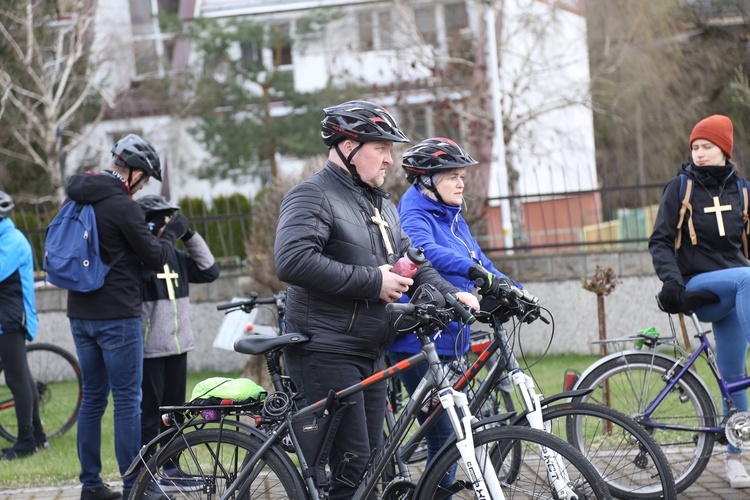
[(204, 463), (57, 378), (624, 453), (630, 383), (530, 480)]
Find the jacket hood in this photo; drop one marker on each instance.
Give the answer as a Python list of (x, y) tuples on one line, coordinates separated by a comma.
[(92, 187)]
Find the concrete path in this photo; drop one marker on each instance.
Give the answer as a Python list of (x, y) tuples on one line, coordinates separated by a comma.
[(711, 485)]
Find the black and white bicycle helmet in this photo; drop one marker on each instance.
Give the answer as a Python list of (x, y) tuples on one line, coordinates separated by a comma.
[(434, 155), (6, 204), (154, 203), (134, 152)]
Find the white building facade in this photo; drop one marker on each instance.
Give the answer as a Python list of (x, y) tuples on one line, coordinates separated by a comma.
[(391, 46)]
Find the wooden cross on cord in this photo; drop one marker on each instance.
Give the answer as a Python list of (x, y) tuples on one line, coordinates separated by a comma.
[(382, 224), (167, 276), (717, 209)]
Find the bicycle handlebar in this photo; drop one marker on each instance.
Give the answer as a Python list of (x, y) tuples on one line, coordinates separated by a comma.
[(250, 304), (460, 309)]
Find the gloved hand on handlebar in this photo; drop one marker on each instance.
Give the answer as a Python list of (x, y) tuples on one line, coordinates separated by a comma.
[(493, 285), (674, 299)]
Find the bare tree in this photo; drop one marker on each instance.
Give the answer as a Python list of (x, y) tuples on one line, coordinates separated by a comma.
[(47, 83)]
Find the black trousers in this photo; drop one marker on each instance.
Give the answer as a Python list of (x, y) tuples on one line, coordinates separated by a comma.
[(361, 430), (25, 396), (164, 384)]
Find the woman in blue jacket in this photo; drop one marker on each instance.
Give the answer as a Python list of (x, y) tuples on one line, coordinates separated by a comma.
[(18, 323), (430, 212)]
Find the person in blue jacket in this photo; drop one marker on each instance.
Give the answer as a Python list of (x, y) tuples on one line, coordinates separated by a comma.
[(430, 212), (18, 323)]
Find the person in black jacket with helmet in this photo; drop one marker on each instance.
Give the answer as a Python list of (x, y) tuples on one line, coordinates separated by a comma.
[(106, 323), (337, 238), (165, 319)]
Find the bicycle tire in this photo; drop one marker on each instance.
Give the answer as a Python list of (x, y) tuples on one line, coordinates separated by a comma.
[(627, 457), (58, 380), (206, 467), (634, 381), (531, 481)]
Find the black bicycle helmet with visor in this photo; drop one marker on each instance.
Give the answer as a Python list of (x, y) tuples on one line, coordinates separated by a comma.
[(157, 209), (134, 152), (360, 121), (432, 156), (6, 204)]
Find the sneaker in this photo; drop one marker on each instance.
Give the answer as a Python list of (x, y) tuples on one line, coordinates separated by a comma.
[(175, 481), (12, 453), (101, 493), (737, 475)]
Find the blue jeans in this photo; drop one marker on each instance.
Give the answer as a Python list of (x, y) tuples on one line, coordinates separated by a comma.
[(110, 353), (442, 431), (730, 319)]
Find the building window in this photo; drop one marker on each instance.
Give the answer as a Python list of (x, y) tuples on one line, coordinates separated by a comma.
[(375, 30), (456, 21), (151, 47), (281, 44), (424, 17), (251, 54), (385, 29), (366, 31)]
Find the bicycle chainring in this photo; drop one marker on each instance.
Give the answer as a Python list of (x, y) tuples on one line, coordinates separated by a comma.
[(398, 489), (738, 430)]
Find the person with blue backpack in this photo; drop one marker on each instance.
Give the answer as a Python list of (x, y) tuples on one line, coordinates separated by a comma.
[(699, 249), (18, 323), (431, 215), (106, 322)]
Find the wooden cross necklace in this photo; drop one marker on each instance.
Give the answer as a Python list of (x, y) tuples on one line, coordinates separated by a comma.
[(717, 207)]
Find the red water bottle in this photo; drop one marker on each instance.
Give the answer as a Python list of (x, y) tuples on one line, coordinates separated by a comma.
[(410, 262)]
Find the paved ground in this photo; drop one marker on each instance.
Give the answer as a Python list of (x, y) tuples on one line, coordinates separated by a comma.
[(711, 485)]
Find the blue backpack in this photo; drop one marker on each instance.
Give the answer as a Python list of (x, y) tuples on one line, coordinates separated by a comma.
[(686, 191), (71, 250)]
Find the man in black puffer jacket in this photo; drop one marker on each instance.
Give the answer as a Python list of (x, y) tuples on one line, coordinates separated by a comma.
[(338, 236)]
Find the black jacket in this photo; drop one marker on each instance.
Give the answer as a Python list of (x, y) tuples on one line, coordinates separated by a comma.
[(711, 252), (328, 250), (122, 226)]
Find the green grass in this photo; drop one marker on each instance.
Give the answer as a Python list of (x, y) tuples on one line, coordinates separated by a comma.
[(59, 464)]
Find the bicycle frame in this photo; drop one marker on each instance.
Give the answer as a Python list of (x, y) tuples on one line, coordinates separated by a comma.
[(533, 401), (725, 387), (487, 484)]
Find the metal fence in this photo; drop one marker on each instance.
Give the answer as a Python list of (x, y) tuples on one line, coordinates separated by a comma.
[(579, 221)]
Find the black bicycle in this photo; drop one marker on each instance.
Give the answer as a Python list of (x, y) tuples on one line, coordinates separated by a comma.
[(213, 452)]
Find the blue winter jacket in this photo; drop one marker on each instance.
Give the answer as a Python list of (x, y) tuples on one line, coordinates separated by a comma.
[(17, 311), (448, 245)]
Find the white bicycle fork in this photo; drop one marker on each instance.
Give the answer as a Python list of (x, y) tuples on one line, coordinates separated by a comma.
[(481, 472), (555, 469)]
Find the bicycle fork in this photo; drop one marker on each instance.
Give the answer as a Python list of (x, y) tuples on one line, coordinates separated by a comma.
[(555, 468), (478, 465)]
